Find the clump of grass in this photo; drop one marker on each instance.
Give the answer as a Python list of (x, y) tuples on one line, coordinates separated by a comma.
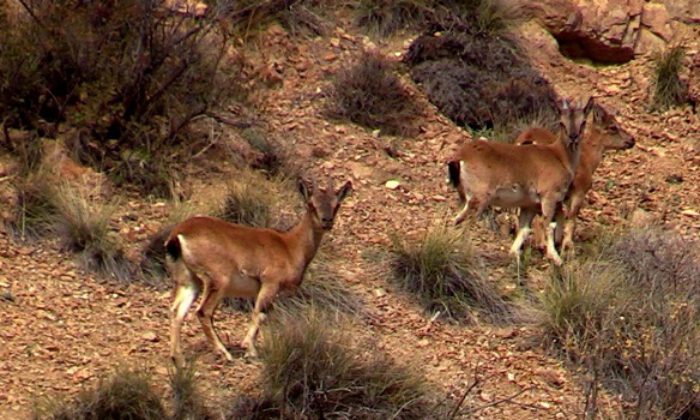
[(127, 394), (188, 403), (248, 202), (631, 315), (442, 270), (82, 226), (32, 216), (70, 213), (323, 289), (385, 17), (273, 156), (669, 89), (370, 94), (311, 368)]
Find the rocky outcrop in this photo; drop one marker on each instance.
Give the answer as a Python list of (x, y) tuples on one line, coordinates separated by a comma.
[(613, 31)]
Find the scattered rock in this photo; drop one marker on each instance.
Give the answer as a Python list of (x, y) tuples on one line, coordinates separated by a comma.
[(392, 184)]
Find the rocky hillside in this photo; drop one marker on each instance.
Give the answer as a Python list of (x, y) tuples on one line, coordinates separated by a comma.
[(63, 327)]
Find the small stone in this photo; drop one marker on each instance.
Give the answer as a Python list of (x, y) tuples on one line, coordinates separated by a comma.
[(392, 184), (150, 336)]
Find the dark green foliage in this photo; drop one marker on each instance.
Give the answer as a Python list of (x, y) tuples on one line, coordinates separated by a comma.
[(631, 316), (311, 369), (130, 74), (669, 89), (446, 276), (126, 395), (369, 93), (476, 75)]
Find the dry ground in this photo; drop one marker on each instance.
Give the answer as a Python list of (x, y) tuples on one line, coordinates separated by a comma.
[(66, 327)]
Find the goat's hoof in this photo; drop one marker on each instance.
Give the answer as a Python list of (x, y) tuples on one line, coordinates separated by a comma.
[(556, 259)]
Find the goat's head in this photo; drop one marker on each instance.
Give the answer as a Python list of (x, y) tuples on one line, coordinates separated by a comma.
[(323, 203), (614, 136), (573, 119)]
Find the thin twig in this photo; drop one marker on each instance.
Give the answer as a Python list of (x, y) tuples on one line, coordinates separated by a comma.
[(501, 401), (454, 411)]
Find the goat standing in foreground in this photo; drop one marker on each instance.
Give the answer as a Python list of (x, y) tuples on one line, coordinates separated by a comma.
[(221, 259), (603, 134), (528, 176)]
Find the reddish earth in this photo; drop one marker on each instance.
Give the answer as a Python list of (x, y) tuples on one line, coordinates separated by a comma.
[(65, 327)]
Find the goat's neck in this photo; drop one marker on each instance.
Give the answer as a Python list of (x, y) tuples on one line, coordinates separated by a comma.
[(568, 154), (303, 242), (594, 147)]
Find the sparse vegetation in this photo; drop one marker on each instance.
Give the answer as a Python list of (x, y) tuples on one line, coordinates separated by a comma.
[(311, 369), (369, 93), (475, 73), (80, 222), (273, 156), (669, 89), (385, 17), (130, 75), (188, 403), (127, 394), (631, 316), (442, 270)]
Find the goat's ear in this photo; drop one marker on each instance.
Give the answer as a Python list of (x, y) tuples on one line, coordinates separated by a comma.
[(303, 186), (589, 106), (344, 191)]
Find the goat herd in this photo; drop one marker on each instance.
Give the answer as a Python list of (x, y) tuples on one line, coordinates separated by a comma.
[(540, 173)]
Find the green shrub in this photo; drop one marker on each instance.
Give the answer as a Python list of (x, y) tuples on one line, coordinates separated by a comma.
[(669, 89), (311, 369), (442, 270), (125, 395), (369, 93), (631, 316)]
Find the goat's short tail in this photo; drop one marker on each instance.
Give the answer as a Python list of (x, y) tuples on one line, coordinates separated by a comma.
[(173, 248), (453, 172)]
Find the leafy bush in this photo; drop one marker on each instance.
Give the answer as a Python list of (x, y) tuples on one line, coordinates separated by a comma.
[(442, 270), (126, 395), (370, 94), (132, 75), (632, 317), (311, 369), (669, 89)]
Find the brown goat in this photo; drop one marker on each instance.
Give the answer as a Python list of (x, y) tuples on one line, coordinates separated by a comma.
[(221, 259), (603, 134), (527, 177)]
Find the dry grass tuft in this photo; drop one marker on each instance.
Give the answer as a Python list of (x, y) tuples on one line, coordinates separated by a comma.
[(126, 395), (369, 93), (311, 368), (445, 275), (669, 89), (631, 316)]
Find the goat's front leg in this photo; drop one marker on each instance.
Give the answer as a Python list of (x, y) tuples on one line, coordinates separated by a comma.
[(548, 208), (263, 302), (567, 243)]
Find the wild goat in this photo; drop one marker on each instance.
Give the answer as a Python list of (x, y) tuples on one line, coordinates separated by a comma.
[(221, 259), (528, 176), (603, 134)]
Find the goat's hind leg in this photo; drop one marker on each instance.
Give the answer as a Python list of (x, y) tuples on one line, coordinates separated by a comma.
[(186, 291), (205, 313), (263, 302)]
